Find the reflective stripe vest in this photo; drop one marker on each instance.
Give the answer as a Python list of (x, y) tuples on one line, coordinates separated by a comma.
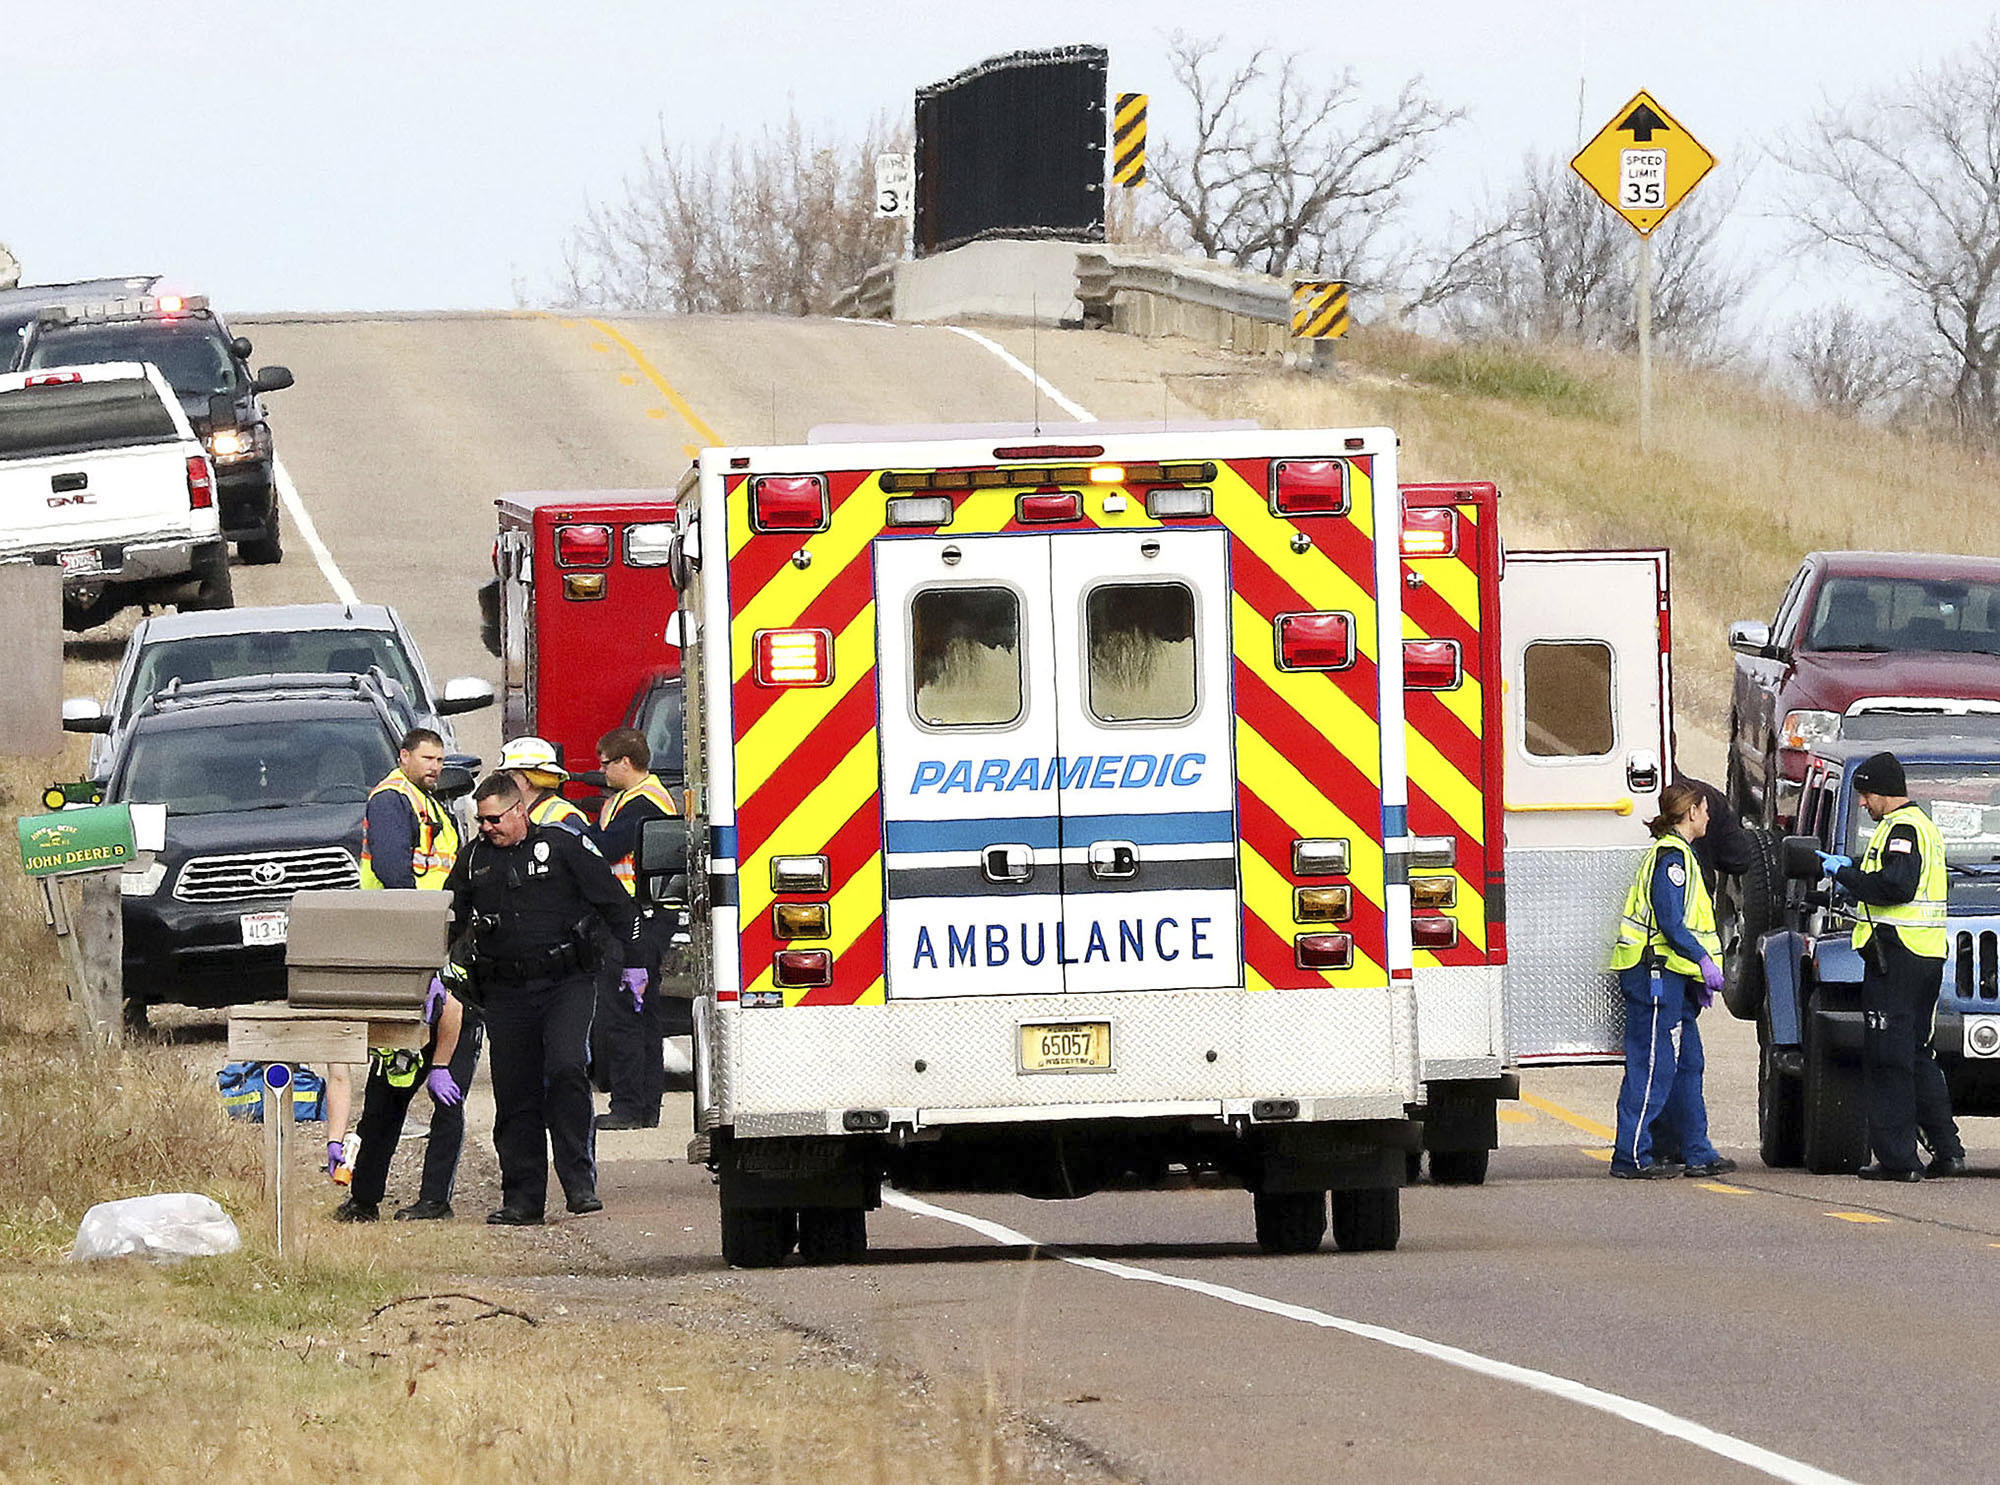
[(1638, 933), (1920, 922), (625, 868), (436, 843), (555, 810)]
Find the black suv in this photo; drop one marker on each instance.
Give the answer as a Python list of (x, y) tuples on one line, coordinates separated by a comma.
[(264, 787), (210, 371)]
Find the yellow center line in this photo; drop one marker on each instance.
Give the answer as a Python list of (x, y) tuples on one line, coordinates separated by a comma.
[(1860, 1217), (1572, 1119), (660, 383), (1515, 1116), (1723, 1188), (1595, 1154)]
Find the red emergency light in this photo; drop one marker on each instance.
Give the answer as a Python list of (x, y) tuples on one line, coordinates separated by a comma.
[(201, 483), (802, 967), (1431, 665), (170, 304), (1430, 533), (53, 379), (1309, 487), (788, 502), (1315, 641), (583, 546), (1065, 506), (793, 657), (1324, 950), (1434, 933)]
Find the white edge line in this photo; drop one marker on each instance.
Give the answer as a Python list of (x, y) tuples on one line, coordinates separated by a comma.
[(1075, 409), (289, 494), (1645, 1415)]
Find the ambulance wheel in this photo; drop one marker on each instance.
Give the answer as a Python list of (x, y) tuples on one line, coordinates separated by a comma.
[(1459, 1167), (1835, 1134), (757, 1237), (1780, 1107), (1369, 1221), (833, 1234), (1290, 1221)]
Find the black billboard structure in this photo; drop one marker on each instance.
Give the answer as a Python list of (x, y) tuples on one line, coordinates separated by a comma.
[(1013, 148)]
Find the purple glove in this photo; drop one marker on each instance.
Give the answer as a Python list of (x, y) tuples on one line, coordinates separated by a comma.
[(434, 1001), (1711, 981), (634, 981), (334, 1156), (443, 1088)]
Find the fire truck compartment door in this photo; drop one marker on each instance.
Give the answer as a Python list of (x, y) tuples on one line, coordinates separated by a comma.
[(1145, 718), (1587, 725), (967, 721)]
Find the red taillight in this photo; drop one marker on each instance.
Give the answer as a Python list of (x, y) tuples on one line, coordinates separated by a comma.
[(802, 967), (1430, 533), (1067, 506), (201, 483), (1309, 487), (1430, 664), (1434, 933), (1324, 950), (53, 379), (583, 546), (1315, 641), (793, 657), (788, 502)]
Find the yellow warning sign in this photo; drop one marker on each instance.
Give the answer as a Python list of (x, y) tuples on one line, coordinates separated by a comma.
[(1319, 309), (1128, 141), (1643, 163)]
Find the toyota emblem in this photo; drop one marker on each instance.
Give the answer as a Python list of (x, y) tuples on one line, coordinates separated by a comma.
[(267, 873)]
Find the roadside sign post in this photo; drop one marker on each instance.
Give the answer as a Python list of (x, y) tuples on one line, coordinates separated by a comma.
[(77, 855), (278, 1117), (1643, 164), (896, 189)]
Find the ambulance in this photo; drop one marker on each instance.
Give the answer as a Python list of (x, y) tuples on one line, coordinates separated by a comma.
[(1053, 827)]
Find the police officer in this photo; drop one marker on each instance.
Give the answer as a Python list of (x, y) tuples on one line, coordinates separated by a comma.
[(631, 1032), (1665, 959), (1899, 889), (530, 896), (540, 774)]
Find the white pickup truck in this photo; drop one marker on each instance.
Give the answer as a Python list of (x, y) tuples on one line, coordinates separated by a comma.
[(101, 475)]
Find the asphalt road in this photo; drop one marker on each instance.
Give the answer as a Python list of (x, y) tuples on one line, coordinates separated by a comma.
[(1603, 1330)]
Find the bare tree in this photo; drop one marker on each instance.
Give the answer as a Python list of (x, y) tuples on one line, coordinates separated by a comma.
[(1908, 182), (1284, 173), (1851, 363), (782, 222), (1553, 262)]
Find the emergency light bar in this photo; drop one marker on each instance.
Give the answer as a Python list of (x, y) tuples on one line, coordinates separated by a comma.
[(1309, 487), (1323, 641), (53, 379), (1431, 665), (793, 657), (1430, 533), (164, 307), (1036, 476), (788, 502)]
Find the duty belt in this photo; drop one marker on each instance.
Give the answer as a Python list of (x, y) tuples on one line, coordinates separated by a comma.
[(546, 966)]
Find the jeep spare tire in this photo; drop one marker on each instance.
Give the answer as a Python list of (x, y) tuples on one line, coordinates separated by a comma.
[(1760, 899)]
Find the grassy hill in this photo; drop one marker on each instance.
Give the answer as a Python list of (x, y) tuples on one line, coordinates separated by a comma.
[(1739, 484)]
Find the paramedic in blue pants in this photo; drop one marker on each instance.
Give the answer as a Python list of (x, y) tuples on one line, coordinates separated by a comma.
[(1665, 959)]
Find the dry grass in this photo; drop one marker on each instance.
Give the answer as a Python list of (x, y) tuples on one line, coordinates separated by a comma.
[(1740, 483)]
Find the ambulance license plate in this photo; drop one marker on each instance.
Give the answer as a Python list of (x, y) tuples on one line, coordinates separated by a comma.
[(265, 928), (1066, 1046)]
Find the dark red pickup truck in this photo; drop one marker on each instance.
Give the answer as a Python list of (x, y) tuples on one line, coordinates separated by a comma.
[(1864, 645)]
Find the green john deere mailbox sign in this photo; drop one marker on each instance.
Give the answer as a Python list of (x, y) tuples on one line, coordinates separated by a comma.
[(93, 839)]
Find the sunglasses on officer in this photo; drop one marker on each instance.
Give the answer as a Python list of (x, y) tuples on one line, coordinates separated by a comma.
[(496, 819)]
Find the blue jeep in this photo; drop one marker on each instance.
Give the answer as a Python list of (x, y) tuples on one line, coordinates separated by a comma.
[(1803, 984)]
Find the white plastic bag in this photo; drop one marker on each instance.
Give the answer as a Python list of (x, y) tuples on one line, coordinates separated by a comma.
[(164, 1228)]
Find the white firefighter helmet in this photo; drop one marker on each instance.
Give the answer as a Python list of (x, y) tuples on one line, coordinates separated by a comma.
[(534, 755)]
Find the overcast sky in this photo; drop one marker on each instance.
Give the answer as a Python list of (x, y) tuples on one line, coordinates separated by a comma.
[(429, 154)]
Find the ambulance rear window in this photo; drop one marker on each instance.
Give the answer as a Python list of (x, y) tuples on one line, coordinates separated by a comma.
[(1566, 699), (1141, 638), (965, 660)]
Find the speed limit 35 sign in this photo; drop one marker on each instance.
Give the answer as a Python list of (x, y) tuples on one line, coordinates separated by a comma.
[(895, 185), (1643, 163)]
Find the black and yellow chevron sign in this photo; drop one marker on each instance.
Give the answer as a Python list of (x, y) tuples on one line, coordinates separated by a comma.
[(1128, 140), (1319, 309)]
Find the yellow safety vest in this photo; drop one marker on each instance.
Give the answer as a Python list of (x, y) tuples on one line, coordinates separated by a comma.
[(555, 810), (1637, 932), (626, 868), (436, 844), (1920, 922)]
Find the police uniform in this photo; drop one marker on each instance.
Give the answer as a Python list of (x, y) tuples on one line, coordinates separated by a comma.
[(1899, 891), (630, 1046), (1667, 929), (532, 907)]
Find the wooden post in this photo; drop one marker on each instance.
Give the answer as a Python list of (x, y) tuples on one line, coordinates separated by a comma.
[(88, 919)]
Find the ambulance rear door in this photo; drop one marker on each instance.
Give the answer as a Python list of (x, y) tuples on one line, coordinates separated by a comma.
[(1588, 712)]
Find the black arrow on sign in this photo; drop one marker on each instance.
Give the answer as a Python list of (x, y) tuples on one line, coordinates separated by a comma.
[(1641, 123)]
